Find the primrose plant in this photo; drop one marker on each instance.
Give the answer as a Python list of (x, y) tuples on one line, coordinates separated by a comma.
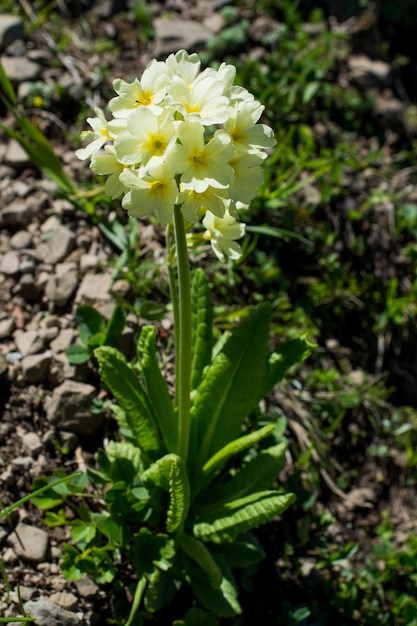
[(195, 469)]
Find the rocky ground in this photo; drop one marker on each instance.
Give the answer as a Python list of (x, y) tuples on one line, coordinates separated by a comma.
[(51, 260)]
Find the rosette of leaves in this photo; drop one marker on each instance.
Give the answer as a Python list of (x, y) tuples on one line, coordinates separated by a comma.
[(191, 524)]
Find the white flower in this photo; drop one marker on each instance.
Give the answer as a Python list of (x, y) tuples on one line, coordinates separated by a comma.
[(102, 132), (248, 176), (200, 164), (222, 233), (147, 138), (245, 133), (195, 205), (201, 101), (149, 91), (157, 192), (183, 65), (108, 165)]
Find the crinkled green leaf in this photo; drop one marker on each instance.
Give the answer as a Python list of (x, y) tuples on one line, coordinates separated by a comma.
[(199, 553), (125, 450), (156, 387), (202, 321), (231, 386), (257, 474), (225, 523), (130, 395), (169, 472), (160, 590), (218, 460)]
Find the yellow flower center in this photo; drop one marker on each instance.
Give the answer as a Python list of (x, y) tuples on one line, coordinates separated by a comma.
[(155, 145), (198, 160), (192, 108), (143, 98), (157, 188), (237, 134)]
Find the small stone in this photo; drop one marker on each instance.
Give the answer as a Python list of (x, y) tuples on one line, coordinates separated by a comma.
[(50, 614), (68, 441), (62, 341), (15, 156), (176, 34), (69, 408), (88, 263), (27, 287), (32, 443), (20, 69), (6, 327), (27, 266), (367, 71), (121, 287), (28, 342), (49, 321), (62, 284), (29, 543), (14, 357), (86, 587), (11, 29), (10, 263), (61, 370), (60, 243), (21, 464), (65, 599), (35, 367), (48, 334), (15, 214), (21, 240), (94, 288)]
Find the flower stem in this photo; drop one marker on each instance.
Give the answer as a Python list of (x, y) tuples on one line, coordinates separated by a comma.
[(173, 290), (183, 336)]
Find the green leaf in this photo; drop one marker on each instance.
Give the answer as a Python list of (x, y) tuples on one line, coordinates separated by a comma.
[(225, 523), (7, 89), (257, 474), (245, 551), (115, 325), (157, 388), (125, 387), (222, 601), (231, 386), (127, 451), (169, 473), (90, 322), (202, 322), (149, 310), (160, 590), (82, 531), (310, 91), (289, 354), (77, 354), (151, 551), (197, 551), (218, 460)]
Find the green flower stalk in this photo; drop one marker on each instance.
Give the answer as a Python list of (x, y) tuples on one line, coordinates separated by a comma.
[(185, 145)]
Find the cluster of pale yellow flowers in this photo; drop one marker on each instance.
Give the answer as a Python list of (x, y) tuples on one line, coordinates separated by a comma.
[(179, 136)]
